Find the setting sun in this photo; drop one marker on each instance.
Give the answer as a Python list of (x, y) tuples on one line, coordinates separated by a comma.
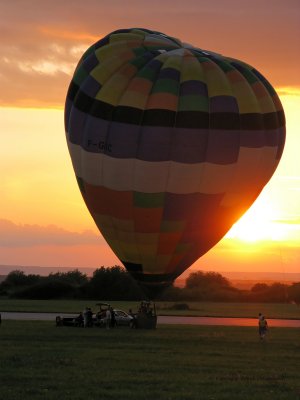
[(258, 224)]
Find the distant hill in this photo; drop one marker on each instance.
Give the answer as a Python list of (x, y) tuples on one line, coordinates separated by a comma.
[(258, 276), (247, 284), (43, 271), (246, 280)]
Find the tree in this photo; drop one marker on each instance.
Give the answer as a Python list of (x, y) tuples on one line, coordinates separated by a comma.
[(294, 292), (18, 278), (208, 286), (113, 283), (201, 279), (259, 287), (45, 290), (75, 277), (277, 293)]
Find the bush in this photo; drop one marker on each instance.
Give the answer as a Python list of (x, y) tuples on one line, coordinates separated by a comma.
[(113, 283), (19, 278), (259, 287), (180, 306), (75, 278), (294, 292), (46, 290), (206, 280)]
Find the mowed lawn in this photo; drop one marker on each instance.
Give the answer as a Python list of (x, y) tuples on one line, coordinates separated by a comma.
[(41, 361)]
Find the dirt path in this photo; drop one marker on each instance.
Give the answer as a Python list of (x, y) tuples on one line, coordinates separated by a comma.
[(284, 323), (172, 320)]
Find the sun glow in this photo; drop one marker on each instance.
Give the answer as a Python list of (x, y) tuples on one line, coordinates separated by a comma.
[(258, 224)]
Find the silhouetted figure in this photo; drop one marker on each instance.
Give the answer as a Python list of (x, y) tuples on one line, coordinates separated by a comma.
[(262, 326), (112, 318), (89, 317), (133, 323), (108, 318), (85, 317), (79, 320)]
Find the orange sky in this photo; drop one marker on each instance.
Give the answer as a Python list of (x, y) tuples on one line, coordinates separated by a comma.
[(43, 220)]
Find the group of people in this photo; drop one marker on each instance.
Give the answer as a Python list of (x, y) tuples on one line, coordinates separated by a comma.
[(103, 317), (262, 326), (145, 308)]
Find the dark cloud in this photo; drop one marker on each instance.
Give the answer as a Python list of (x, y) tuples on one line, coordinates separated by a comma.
[(13, 235)]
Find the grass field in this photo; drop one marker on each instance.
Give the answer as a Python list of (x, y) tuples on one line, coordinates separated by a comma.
[(163, 308), (40, 361)]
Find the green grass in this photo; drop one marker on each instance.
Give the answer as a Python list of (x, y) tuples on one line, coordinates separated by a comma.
[(163, 308), (40, 361)]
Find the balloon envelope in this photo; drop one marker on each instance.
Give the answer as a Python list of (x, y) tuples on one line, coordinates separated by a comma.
[(170, 145)]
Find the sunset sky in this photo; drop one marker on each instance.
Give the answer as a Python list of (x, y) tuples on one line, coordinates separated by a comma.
[(43, 219)]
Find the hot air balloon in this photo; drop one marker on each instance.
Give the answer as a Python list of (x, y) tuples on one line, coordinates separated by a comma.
[(170, 145)]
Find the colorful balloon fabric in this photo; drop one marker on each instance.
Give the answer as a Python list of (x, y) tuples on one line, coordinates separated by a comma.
[(170, 145)]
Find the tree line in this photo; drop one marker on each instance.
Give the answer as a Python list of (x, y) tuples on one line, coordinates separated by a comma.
[(115, 283)]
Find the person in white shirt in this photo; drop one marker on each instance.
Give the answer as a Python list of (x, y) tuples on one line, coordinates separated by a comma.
[(108, 318)]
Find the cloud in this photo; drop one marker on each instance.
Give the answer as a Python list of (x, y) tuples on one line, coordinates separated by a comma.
[(14, 235), (289, 221), (38, 53), (42, 41), (288, 91)]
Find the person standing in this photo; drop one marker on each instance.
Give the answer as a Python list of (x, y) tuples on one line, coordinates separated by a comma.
[(85, 317), (108, 318), (262, 326), (89, 317), (112, 318), (79, 320)]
